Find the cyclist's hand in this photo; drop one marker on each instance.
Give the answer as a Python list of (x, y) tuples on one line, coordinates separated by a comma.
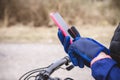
[(82, 50), (65, 41), (85, 48)]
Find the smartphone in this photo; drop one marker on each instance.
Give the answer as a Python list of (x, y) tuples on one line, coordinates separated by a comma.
[(61, 24)]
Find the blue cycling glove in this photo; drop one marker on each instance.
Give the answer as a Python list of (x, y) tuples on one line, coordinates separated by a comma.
[(65, 41), (87, 49), (82, 50)]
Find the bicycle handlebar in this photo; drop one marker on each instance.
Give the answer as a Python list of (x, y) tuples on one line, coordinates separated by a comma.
[(50, 69), (44, 73)]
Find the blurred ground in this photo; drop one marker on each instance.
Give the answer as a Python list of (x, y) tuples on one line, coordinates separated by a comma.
[(17, 59), (24, 48)]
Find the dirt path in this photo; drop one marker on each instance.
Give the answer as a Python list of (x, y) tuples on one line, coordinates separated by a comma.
[(16, 59)]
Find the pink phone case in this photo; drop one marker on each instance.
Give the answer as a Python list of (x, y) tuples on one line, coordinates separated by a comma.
[(59, 21)]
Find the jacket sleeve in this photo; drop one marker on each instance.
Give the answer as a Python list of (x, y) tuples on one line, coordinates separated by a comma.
[(105, 69)]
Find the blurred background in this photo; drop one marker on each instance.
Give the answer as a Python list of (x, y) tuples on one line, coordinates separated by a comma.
[(27, 31), (26, 20)]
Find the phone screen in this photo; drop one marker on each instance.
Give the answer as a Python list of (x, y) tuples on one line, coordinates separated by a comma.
[(59, 21)]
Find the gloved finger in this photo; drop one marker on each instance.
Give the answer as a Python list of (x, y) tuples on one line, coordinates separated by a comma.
[(80, 62), (66, 43), (73, 59), (61, 36), (87, 63), (76, 59)]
